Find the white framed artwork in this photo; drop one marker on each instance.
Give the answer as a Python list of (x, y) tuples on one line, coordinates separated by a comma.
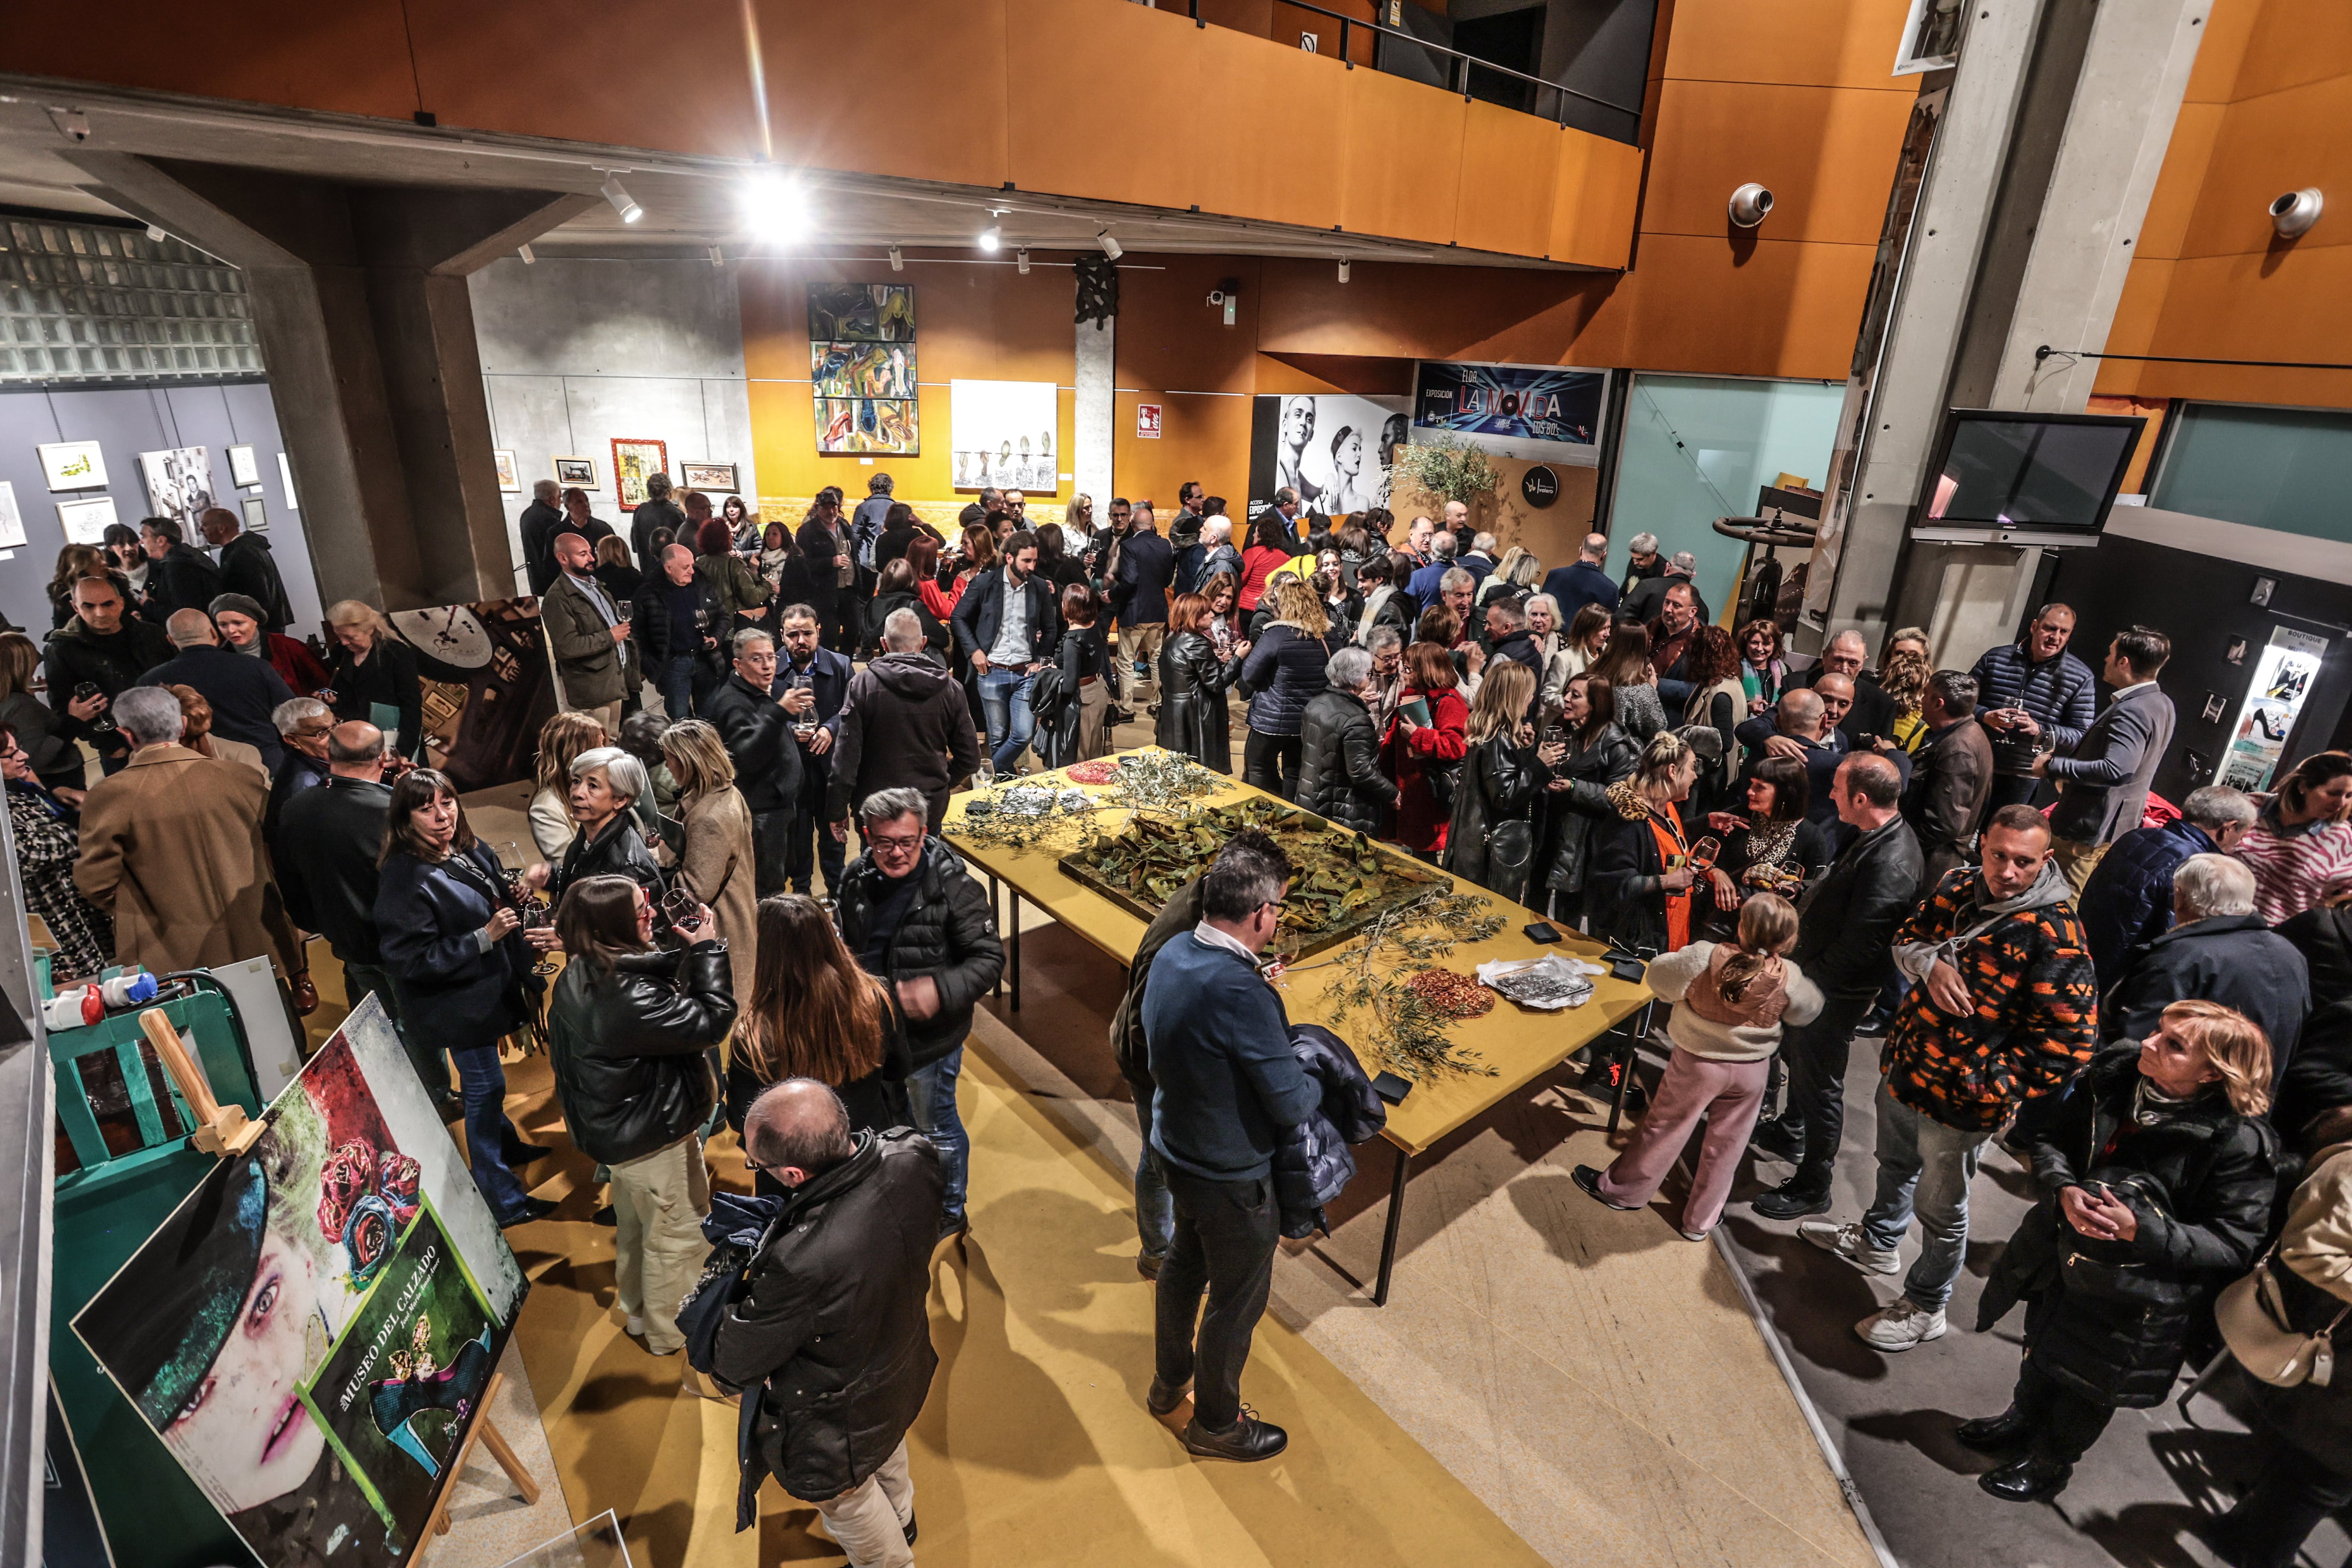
[(86, 521), (73, 465), (1001, 434), (179, 483), (257, 514), (12, 522), (244, 468), (509, 475)]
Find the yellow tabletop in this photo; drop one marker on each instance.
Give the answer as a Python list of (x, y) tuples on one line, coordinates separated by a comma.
[(1517, 1043)]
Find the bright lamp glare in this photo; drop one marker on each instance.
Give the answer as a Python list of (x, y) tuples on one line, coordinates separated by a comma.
[(991, 237), (776, 207), (623, 203)]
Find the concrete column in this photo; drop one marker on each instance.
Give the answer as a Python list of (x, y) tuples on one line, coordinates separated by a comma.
[(360, 301), (1096, 437), (2056, 124)]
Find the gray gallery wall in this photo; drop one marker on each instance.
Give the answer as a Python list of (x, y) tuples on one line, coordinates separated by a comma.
[(576, 352), (125, 422)]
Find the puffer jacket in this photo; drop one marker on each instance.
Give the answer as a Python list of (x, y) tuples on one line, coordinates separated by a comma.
[(2059, 693), (1579, 811), (2035, 1017), (2127, 899), (1192, 686), (948, 932), (833, 1344), (1499, 783), (627, 1047), (2200, 1183), (1311, 1165), (1282, 674), (1339, 776)]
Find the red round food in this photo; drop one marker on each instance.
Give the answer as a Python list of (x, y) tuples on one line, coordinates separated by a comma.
[(1102, 771), (1451, 994)]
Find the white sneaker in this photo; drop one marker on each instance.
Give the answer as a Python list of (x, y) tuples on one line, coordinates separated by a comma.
[(1846, 1240), (1903, 1324), (636, 1328)]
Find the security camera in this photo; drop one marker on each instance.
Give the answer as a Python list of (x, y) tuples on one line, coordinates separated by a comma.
[(1750, 205), (2293, 213)]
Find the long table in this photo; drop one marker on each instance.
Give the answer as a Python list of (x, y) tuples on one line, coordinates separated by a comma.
[(1519, 1044)]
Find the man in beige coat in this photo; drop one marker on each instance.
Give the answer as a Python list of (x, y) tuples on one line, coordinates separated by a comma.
[(171, 847)]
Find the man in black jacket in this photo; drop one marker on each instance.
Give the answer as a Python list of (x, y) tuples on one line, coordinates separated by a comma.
[(1846, 931), (1008, 622), (246, 568), (179, 576), (833, 1347), (325, 852), (542, 521), (1871, 712), (812, 683), (1146, 565), (2218, 950), (758, 737), (99, 647), (914, 916), (656, 510), (244, 692)]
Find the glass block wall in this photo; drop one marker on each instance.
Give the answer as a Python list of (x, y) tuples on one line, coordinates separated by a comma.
[(84, 304)]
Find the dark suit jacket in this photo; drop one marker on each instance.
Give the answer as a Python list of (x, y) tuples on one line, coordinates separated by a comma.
[(2234, 960), (2107, 775), (981, 612), (1147, 564), (1645, 601), (828, 676), (428, 918), (1949, 787), (1576, 584), (539, 526), (242, 690), (1872, 713), (247, 567), (328, 841), (185, 579)]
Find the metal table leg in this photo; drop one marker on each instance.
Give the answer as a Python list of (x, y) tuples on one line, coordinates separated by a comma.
[(1016, 949), (1396, 1223), (994, 903), (1632, 1060)]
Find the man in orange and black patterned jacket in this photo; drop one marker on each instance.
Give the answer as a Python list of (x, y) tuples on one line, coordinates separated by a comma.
[(2005, 1009)]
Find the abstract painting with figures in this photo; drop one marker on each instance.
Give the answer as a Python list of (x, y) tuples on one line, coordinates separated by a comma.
[(862, 312), (634, 462)]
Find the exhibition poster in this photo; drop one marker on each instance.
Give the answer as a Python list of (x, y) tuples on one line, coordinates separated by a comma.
[(179, 484), (2283, 678), (862, 368), (1336, 450), (1514, 410), (1001, 434), (348, 1251)]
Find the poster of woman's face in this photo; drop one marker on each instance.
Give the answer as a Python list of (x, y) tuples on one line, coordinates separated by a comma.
[(1335, 449)]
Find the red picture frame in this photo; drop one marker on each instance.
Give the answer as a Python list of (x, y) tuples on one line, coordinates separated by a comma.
[(630, 470)]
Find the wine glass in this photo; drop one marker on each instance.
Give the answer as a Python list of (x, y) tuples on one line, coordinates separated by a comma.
[(680, 909), (537, 914)]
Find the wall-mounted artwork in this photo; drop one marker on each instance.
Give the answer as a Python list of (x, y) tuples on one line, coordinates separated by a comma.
[(179, 483), (86, 521), (862, 370), (718, 477), (862, 312), (576, 473), (73, 465), (634, 462), (257, 514), (285, 477), (1001, 433), (1336, 449), (1543, 411), (244, 468), (509, 475), (12, 522), (867, 425)]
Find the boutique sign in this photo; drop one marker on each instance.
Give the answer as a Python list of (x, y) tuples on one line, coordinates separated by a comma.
[(1543, 411)]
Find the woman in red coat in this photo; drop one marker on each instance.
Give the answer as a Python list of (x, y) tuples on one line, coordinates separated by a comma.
[(1264, 554), (1410, 749)]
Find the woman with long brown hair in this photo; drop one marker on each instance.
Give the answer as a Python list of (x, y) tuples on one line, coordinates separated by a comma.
[(1428, 736), (1626, 666), (1587, 755), (814, 1013)]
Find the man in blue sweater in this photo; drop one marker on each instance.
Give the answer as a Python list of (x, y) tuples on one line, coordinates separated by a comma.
[(1227, 1086)]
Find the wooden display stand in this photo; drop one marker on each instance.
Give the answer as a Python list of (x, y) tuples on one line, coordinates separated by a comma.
[(228, 1130)]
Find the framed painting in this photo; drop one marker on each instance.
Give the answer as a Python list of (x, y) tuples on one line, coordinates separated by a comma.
[(719, 477), (12, 522), (862, 370), (244, 468), (867, 425), (509, 477), (861, 313), (179, 483), (86, 521), (73, 465), (576, 473), (1001, 433), (257, 514), (634, 462)]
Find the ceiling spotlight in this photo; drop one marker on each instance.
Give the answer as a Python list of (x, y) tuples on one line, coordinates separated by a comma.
[(527, 257), (155, 232), (1021, 259), (1343, 269), (623, 203), (716, 259), (1750, 205), (1111, 247), (776, 205), (2294, 212), (991, 237), (897, 260)]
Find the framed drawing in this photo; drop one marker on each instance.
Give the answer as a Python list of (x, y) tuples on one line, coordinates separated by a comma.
[(509, 477), (1001, 434), (719, 477), (257, 514), (73, 465), (863, 312), (86, 521), (244, 468), (634, 462), (179, 483), (576, 473), (12, 522), (1931, 37)]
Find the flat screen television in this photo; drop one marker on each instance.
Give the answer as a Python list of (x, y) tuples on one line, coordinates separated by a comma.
[(2027, 478)]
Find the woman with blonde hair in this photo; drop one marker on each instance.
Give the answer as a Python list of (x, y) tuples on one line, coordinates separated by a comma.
[(814, 1011), (374, 668), (1903, 677), (715, 861), (563, 738), (2158, 1172), (1489, 839), (1731, 1000), (1641, 874), (1283, 673)]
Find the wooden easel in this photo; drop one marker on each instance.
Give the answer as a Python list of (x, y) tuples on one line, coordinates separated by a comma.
[(226, 1130)]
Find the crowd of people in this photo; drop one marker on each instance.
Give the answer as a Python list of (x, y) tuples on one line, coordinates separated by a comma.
[(2151, 1006)]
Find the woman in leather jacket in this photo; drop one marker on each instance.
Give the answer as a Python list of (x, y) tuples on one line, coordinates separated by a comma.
[(1192, 686), (606, 784), (626, 1033), (1588, 754), (1489, 840), (1339, 776)]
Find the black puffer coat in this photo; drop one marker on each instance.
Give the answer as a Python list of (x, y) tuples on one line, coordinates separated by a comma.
[(1193, 686), (1282, 674), (1339, 775), (628, 1045), (2201, 1183), (1499, 781), (948, 934), (835, 1338), (1583, 806), (1311, 1165)]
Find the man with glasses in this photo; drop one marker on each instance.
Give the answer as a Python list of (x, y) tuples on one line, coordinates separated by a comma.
[(915, 919), (1226, 1088), (757, 730), (302, 723)]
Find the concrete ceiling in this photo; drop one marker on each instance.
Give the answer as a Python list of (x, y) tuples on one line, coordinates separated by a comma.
[(688, 204)]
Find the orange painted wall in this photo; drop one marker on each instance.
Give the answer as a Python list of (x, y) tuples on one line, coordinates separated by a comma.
[(2269, 108)]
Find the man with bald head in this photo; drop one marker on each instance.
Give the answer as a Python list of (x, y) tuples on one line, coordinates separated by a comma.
[(1869, 712), (244, 692), (833, 1407), (1583, 581), (589, 636), (1805, 725), (1848, 921)]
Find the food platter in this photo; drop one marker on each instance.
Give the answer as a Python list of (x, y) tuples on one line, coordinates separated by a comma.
[(1343, 882)]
